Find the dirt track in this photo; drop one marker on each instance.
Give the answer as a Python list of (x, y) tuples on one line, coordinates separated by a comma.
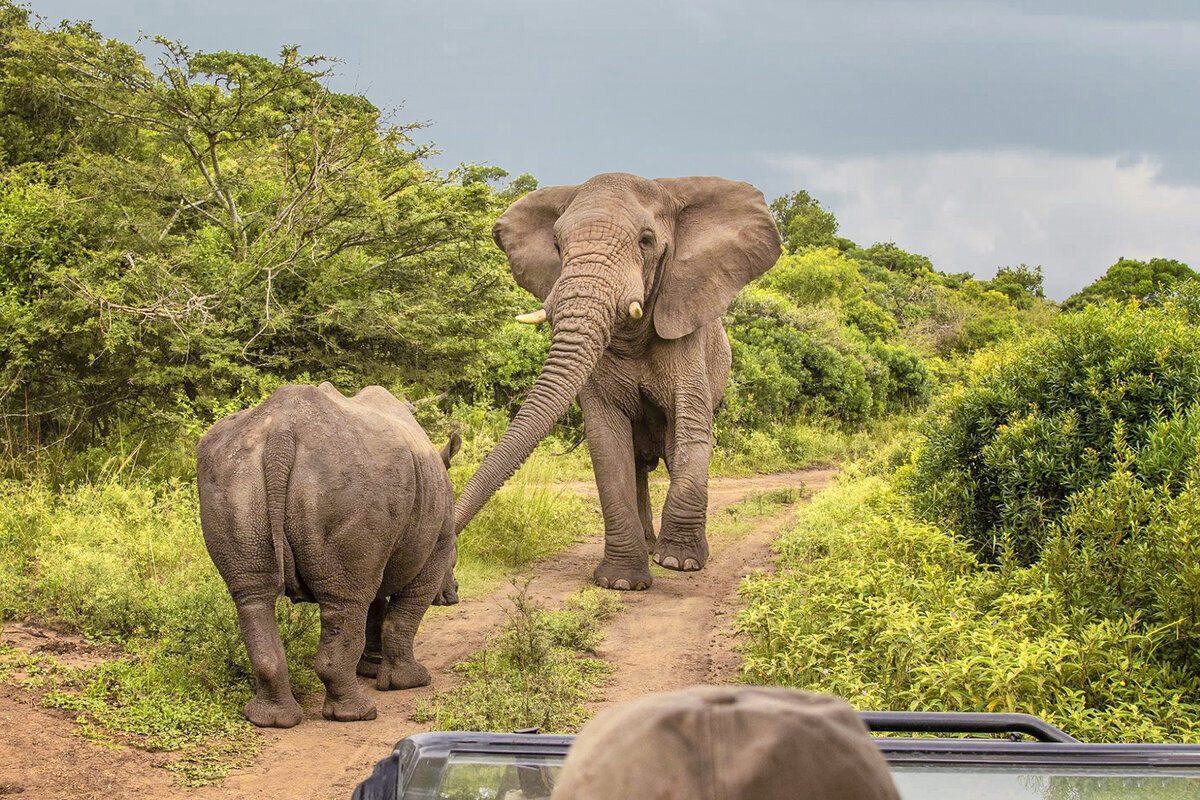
[(676, 634)]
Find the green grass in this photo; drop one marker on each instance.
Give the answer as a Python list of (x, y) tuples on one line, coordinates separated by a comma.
[(531, 517), (891, 612), (538, 671), (801, 444)]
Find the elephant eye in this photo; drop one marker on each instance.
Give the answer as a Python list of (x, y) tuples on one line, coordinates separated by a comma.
[(647, 240)]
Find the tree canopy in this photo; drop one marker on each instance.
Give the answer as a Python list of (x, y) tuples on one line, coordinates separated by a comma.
[(1129, 279), (207, 226)]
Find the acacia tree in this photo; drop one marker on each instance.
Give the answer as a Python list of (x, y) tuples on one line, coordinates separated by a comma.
[(215, 224)]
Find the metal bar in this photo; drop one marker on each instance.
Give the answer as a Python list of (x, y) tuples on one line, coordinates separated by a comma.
[(964, 722)]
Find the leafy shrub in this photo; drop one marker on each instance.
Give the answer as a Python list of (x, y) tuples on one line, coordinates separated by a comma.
[(1131, 550), (890, 612), (798, 361), (1050, 414), (1130, 279)]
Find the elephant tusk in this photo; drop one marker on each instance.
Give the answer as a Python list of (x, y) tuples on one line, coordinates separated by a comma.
[(533, 317), (635, 310)]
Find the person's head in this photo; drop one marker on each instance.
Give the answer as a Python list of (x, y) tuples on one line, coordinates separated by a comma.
[(726, 743)]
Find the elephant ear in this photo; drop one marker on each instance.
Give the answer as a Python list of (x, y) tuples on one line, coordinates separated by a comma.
[(525, 232), (725, 237)]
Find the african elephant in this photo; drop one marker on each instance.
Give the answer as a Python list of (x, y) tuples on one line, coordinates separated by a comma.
[(334, 500), (634, 275)]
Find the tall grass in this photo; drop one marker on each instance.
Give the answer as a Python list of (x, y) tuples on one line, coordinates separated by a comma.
[(891, 612), (539, 671)]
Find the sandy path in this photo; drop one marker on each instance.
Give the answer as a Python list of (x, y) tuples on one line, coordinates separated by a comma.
[(674, 635)]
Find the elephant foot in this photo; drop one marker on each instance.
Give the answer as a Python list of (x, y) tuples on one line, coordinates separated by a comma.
[(401, 676), (348, 709), (681, 557), (368, 665), (623, 578), (266, 714)]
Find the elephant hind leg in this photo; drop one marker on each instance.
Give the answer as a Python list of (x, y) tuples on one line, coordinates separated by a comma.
[(273, 705)]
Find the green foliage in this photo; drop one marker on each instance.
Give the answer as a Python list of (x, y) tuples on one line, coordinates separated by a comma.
[(529, 518), (214, 226), (535, 673), (798, 360), (1021, 285), (125, 564), (1056, 413), (873, 605), (1131, 549), (803, 223), (1129, 279)]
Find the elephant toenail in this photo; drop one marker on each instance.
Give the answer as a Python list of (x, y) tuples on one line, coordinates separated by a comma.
[(641, 586), (621, 583), (602, 582), (691, 564), (670, 562), (657, 558)]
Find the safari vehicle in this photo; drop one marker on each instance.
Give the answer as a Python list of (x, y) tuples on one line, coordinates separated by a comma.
[(956, 755)]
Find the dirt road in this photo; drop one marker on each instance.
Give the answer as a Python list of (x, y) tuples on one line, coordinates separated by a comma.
[(676, 634)]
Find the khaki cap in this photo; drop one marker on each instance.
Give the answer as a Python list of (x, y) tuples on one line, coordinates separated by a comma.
[(726, 743)]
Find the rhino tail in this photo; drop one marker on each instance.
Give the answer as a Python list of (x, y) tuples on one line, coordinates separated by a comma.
[(277, 468)]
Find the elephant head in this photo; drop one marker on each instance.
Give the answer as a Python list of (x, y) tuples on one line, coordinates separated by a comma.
[(615, 261)]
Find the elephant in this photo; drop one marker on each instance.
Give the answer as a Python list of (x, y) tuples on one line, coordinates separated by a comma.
[(633, 275), (340, 501)]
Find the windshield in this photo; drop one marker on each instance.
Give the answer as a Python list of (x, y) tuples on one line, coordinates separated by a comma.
[(481, 777), (1044, 783)]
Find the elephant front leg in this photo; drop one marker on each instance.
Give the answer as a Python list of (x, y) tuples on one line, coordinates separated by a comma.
[(682, 544), (343, 636), (610, 441)]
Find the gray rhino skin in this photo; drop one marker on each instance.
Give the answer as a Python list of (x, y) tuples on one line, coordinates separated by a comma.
[(334, 500)]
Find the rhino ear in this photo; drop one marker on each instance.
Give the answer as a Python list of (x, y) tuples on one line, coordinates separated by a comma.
[(525, 232), (725, 237), (452, 445)]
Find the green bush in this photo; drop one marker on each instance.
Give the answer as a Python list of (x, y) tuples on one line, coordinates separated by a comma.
[(1129, 550), (874, 605), (791, 361), (1050, 415)]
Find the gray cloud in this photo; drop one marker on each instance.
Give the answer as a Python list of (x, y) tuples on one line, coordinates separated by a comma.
[(977, 210)]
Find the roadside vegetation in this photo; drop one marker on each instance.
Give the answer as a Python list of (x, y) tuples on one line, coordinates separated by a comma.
[(539, 671), (1036, 551), (179, 236)]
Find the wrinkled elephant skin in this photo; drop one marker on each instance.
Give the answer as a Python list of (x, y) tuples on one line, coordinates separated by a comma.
[(633, 275), (334, 500)]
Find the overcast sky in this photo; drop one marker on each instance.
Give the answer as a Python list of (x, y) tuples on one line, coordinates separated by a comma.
[(1064, 133)]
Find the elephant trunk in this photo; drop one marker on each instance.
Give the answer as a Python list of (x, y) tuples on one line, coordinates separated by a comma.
[(581, 333)]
